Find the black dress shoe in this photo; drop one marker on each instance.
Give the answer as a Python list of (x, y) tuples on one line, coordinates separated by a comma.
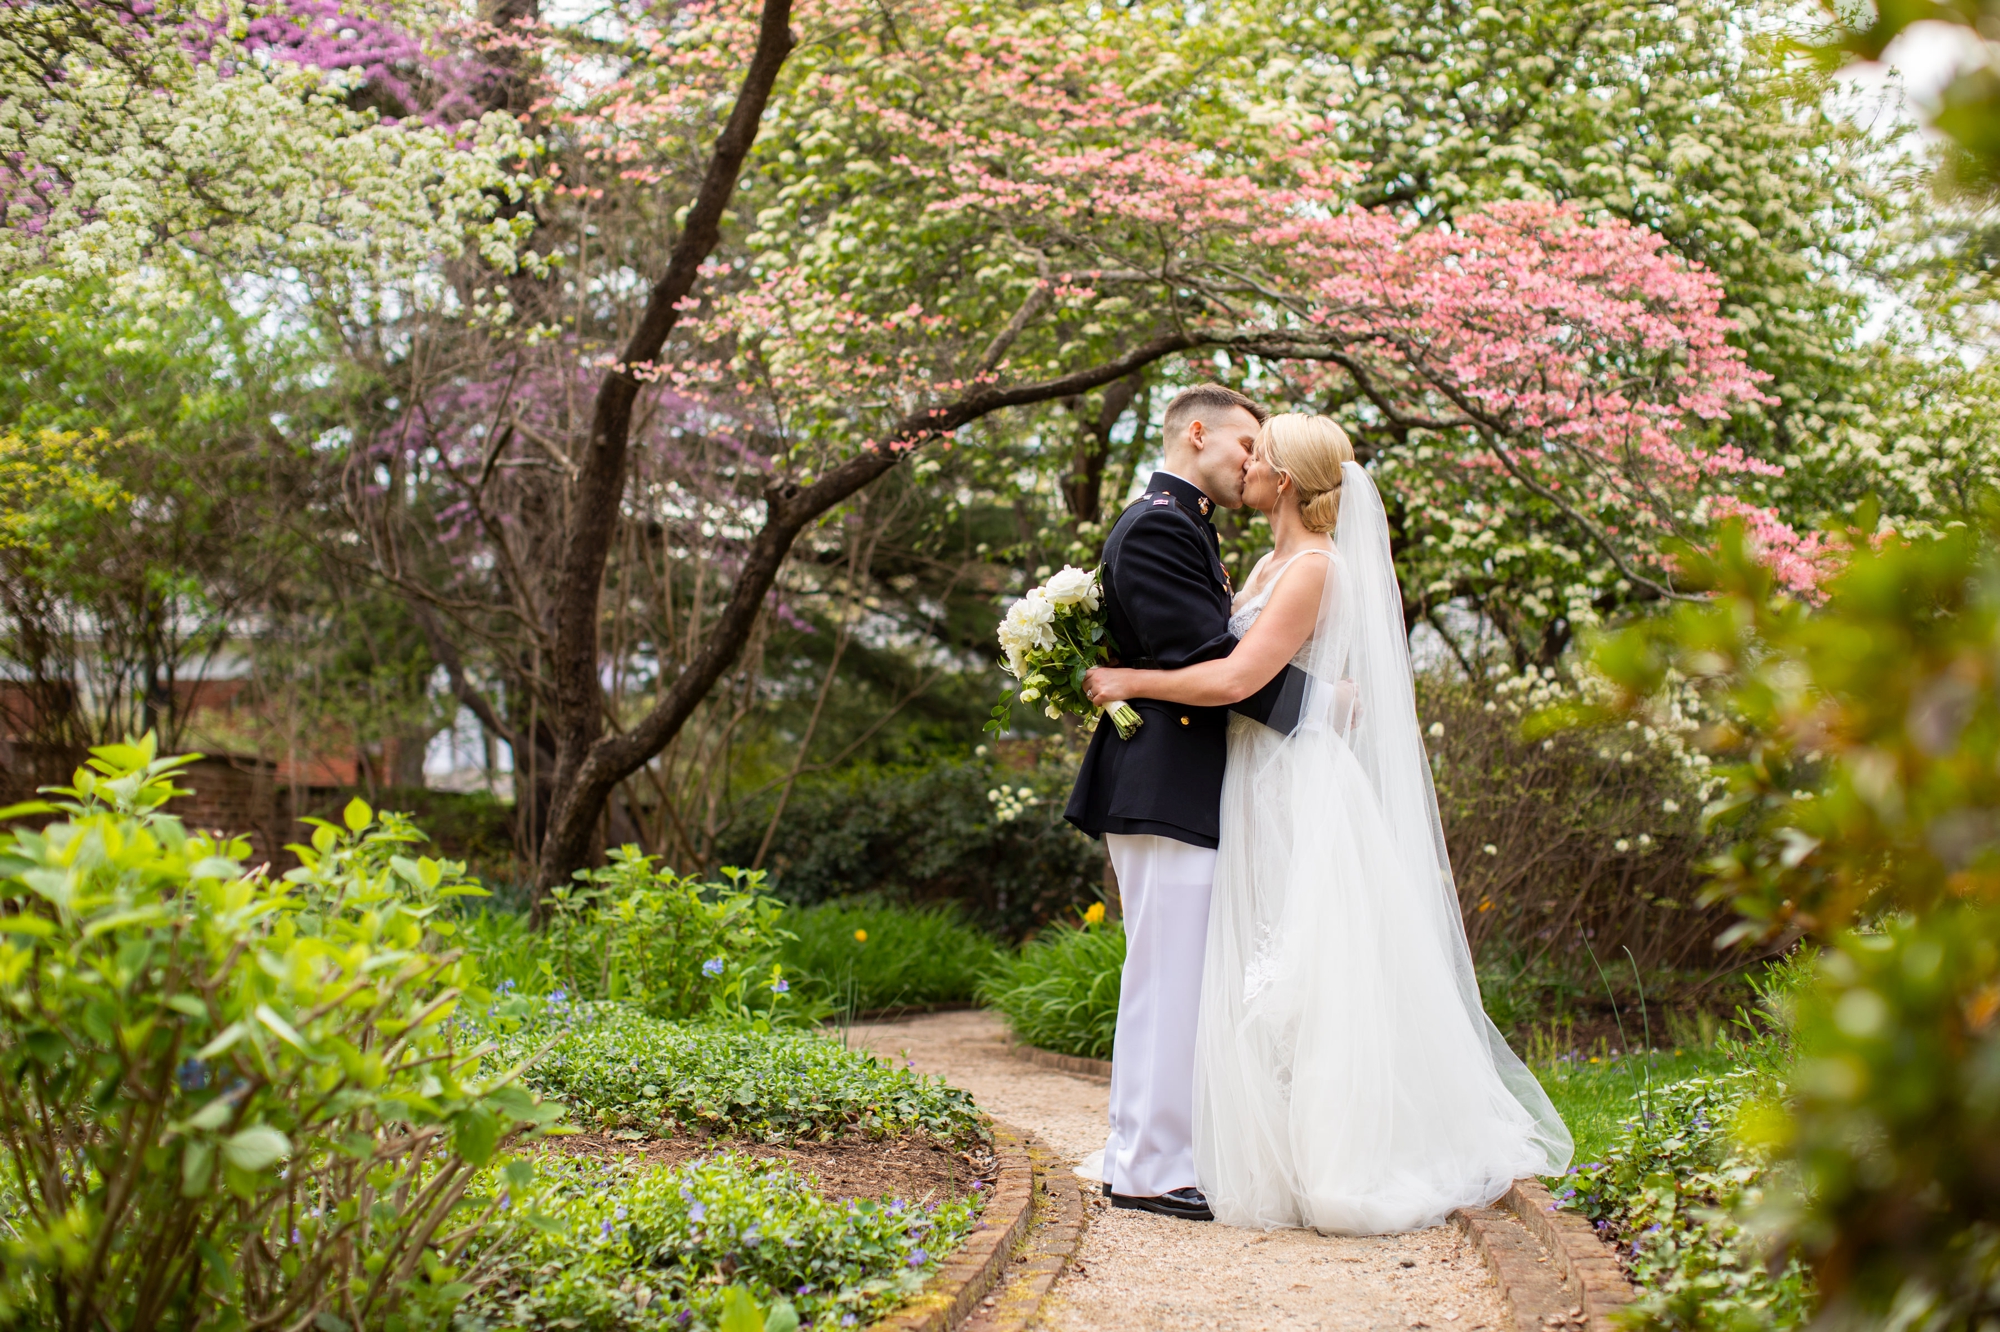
[(1187, 1204)]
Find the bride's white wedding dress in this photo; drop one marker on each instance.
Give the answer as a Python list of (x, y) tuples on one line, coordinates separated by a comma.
[(1346, 1076)]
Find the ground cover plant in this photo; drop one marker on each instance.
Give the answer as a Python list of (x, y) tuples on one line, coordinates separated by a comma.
[(1060, 990), (235, 1099), (865, 956), (674, 1248), (1672, 1192), (618, 1067)]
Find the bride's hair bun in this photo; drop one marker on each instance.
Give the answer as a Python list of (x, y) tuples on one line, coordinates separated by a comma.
[(1310, 450)]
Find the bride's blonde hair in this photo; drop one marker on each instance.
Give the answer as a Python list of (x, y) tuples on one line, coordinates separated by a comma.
[(1310, 450)]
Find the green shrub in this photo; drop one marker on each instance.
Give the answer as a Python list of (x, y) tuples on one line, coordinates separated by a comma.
[(1060, 992), (931, 834), (1578, 841), (615, 1066), (228, 1099), (1670, 1194), (654, 1248), (873, 955), (1863, 742), (671, 945)]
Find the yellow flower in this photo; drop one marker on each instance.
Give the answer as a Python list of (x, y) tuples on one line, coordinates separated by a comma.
[(1094, 914), (861, 936)]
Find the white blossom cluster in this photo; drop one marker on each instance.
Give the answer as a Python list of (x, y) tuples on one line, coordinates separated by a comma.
[(144, 161), (1010, 802)]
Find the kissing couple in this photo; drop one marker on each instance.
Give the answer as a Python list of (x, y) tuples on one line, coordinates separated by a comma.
[(1300, 1040)]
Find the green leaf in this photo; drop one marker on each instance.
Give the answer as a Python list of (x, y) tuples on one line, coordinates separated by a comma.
[(282, 1028), (475, 1133), (211, 1116), (740, 1312), (256, 1148), (22, 923), (197, 1168), (357, 815), (782, 1318), (225, 1038)]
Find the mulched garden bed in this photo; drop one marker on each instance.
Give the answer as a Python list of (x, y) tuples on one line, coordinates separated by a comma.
[(913, 1167)]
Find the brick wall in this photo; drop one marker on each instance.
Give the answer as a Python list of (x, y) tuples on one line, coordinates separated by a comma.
[(229, 793)]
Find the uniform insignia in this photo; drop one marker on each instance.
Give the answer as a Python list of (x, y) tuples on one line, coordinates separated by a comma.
[(1204, 505), (1164, 499)]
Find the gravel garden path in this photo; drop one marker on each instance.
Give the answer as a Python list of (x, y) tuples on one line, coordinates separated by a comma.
[(1135, 1270)]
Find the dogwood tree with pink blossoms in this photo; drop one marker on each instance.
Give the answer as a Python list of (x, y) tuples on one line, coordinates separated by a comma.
[(951, 211)]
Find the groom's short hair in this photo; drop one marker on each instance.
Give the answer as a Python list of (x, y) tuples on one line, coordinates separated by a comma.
[(1202, 398)]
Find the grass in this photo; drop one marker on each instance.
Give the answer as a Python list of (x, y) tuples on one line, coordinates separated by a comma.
[(1060, 992), (870, 955), (1596, 1094), (507, 949)]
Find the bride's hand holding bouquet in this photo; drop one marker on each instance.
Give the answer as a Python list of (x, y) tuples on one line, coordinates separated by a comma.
[(1052, 637)]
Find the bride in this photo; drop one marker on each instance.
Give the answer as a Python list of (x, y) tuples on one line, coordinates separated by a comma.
[(1346, 1077)]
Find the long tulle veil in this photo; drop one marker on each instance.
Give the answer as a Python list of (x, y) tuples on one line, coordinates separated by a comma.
[(1361, 638)]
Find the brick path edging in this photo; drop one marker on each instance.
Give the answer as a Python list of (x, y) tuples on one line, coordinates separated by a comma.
[(965, 1277), (1584, 1260), (1552, 1270), (1062, 1063), (1052, 1242)]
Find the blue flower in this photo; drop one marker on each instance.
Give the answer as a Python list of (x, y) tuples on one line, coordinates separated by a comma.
[(801, 1290), (918, 1258), (712, 967), (780, 985), (193, 1075), (847, 1320), (697, 1212)]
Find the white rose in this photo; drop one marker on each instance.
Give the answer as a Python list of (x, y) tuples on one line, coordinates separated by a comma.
[(1036, 617), (1069, 587), (1015, 640)]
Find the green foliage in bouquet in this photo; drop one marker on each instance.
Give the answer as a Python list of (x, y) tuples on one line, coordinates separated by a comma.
[(230, 1101), (617, 1067), (727, 1242), (1060, 992), (1865, 798), (672, 945)]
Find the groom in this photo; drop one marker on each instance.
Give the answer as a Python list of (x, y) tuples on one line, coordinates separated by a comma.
[(1156, 799)]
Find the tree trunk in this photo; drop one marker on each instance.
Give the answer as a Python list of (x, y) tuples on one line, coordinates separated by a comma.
[(599, 488), (581, 789)]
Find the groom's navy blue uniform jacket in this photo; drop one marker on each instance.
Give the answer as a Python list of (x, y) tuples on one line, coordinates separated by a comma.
[(1167, 606)]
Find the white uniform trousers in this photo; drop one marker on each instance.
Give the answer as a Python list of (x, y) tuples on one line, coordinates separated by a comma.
[(1164, 886)]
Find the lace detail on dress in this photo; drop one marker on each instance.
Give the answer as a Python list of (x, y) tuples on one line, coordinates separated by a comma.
[(1240, 621)]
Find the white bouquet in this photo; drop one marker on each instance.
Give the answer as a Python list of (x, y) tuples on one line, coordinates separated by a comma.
[(1051, 637)]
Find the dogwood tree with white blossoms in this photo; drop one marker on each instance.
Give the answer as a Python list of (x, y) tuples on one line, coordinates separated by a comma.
[(146, 149)]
